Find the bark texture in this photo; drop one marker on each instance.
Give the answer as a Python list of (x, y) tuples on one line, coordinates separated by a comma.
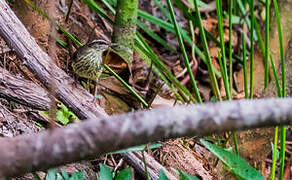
[(22, 91), (11, 125), (93, 137)]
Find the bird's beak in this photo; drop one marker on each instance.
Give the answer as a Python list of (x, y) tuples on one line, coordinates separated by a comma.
[(113, 44)]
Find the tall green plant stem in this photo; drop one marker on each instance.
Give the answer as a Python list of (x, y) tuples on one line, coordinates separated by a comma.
[(283, 128), (244, 67), (267, 43), (212, 76), (252, 49), (224, 69), (125, 28), (230, 44), (274, 153), (273, 172), (180, 40), (222, 60), (224, 74)]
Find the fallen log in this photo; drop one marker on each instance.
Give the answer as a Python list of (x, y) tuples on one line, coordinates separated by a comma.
[(92, 138)]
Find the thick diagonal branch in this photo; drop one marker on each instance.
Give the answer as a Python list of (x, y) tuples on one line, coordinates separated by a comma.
[(92, 138), (23, 91)]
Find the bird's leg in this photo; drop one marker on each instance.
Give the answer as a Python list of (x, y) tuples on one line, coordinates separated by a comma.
[(95, 87)]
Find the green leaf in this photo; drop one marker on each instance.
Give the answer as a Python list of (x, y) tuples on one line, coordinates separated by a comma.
[(137, 148), (92, 5), (10, 1), (70, 36), (162, 175), (125, 174), (77, 176), (200, 3), (105, 173), (235, 19), (64, 174), (51, 175), (36, 176), (59, 176), (61, 42), (84, 85), (277, 151), (39, 125), (62, 118), (184, 176), (64, 115), (157, 38), (213, 99), (236, 164), (98, 96)]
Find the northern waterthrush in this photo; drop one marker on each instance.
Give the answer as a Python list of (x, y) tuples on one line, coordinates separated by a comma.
[(87, 60)]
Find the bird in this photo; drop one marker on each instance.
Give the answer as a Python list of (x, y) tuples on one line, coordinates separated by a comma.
[(87, 61)]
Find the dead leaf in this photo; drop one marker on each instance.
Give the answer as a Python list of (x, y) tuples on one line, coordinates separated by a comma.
[(162, 102), (115, 61), (214, 52), (210, 25), (215, 64)]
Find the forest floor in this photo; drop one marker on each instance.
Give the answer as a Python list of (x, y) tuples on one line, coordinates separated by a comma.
[(185, 154)]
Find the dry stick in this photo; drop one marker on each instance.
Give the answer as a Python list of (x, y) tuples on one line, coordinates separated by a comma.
[(69, 10), (92, 138), (23, 91), (37, 61)]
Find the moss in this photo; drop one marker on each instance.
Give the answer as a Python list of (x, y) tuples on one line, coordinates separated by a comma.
[(125, 28)]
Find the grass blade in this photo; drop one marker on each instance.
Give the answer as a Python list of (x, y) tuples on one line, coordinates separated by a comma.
[(273, 171), (267, 8), (162, 9), (92, 5), (147, 50), (189, 69), (157, 38), (222, 46), (212, 76), (275, 76), (169, 27), (282, 128), (126, 85), (244, 67), (247, 20), (230, 45), (260, 39), (252, 49)]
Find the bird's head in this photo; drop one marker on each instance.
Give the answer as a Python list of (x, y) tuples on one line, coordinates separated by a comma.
[(99, 44)]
